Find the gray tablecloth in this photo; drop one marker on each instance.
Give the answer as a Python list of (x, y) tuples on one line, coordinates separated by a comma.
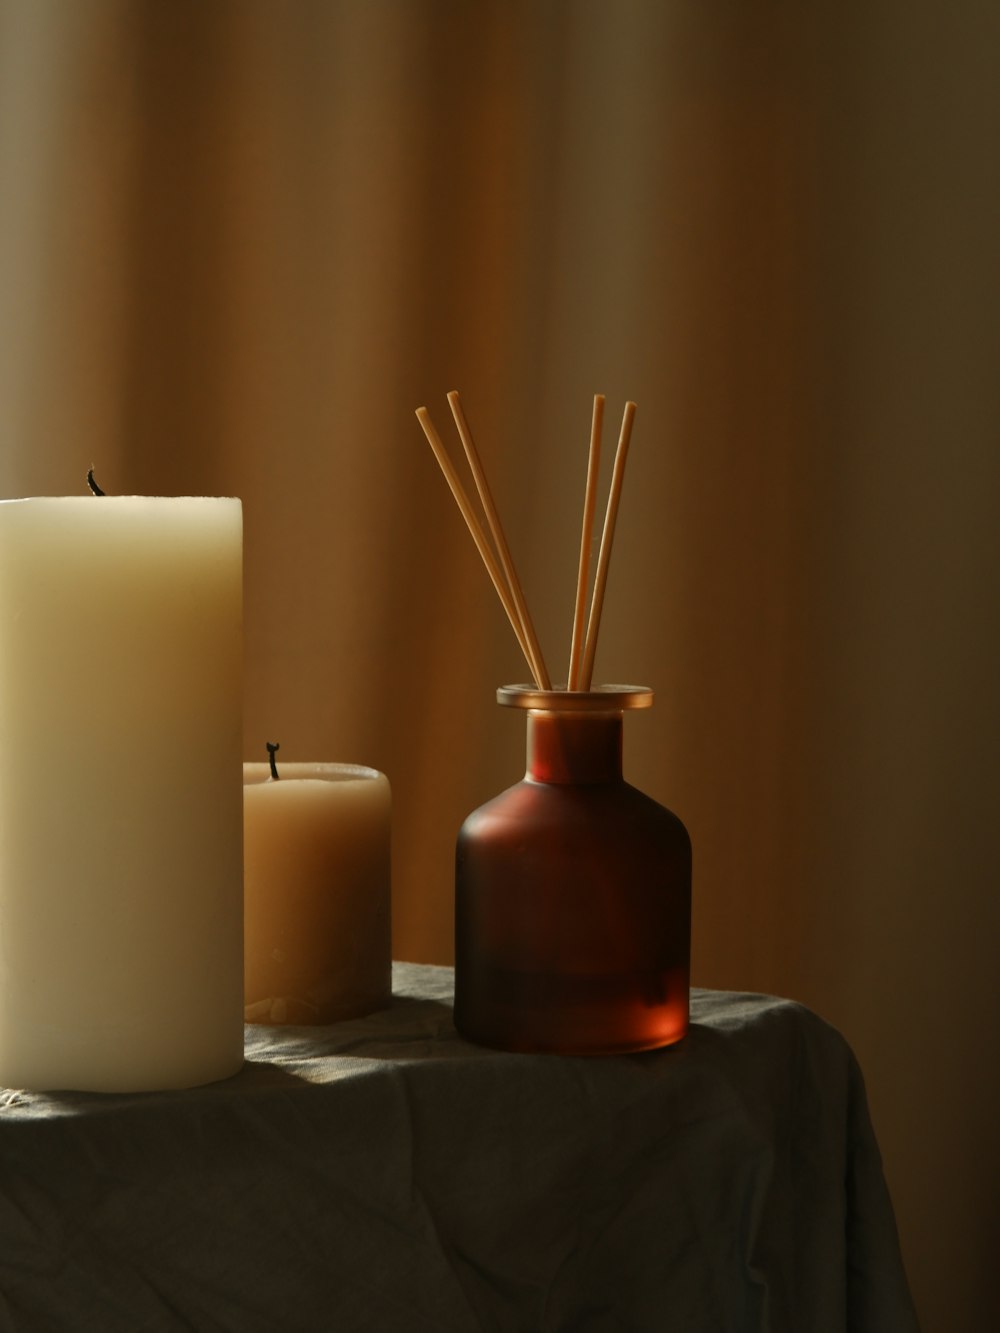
[(384, 1175)]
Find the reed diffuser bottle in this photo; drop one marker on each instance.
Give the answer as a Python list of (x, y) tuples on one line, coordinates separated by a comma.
[(573, 893), (572, 888)]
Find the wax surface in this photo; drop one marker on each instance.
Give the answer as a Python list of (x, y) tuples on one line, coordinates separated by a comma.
[(316, 891), (120, 797)]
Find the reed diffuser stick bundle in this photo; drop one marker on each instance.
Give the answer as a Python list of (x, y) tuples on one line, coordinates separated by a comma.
[(497, 558)]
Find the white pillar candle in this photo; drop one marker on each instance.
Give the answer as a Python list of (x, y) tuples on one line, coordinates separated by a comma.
[(316, 892), (120, 799)]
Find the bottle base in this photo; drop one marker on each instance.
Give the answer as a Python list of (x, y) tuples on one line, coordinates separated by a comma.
[(545, 1013)]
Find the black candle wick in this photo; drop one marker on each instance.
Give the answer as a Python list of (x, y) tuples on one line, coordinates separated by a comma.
[(92, 483), (272, 749)]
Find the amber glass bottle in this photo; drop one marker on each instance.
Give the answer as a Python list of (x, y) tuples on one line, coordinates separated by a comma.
[(573, 893)]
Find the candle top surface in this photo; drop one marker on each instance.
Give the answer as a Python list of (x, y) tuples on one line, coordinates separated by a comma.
[(90, 501), (259, 774)]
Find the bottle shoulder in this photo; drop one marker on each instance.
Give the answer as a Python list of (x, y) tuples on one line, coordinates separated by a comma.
[(616, 803)]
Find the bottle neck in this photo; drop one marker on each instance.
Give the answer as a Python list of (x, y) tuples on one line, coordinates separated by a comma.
[(570, 747)]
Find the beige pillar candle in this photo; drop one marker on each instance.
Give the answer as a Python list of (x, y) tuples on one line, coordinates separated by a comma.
[(120, 814), (316, 892)]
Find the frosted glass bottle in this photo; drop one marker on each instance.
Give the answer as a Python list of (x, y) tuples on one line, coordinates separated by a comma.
[(573, 893)]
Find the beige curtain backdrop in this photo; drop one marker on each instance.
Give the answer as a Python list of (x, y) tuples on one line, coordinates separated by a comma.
[(241, 242)]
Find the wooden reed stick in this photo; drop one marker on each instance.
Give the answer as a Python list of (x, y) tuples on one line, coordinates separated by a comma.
[(607, 539), (534, 651), (583, 573), (478, 536)]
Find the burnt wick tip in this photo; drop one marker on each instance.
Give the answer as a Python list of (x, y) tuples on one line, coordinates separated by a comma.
[(92, 483), (272, 749)]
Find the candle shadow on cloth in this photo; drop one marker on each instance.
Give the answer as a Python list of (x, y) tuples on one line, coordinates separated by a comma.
[(410, 1028)]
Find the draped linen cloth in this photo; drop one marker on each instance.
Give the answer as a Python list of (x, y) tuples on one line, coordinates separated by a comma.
[(384, 1175)]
